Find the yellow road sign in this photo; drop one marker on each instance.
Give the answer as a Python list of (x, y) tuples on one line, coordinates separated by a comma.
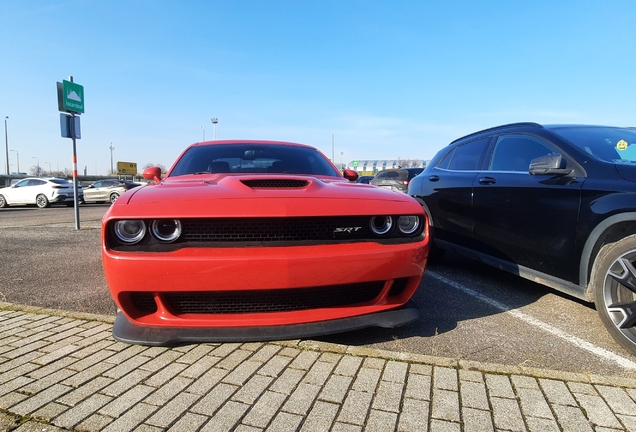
[(126, 168)]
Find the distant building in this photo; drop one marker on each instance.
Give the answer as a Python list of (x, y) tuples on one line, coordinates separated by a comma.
[(372, 167)]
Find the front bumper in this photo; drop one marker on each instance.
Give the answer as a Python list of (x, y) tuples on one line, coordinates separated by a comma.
[(145, 285), (125, 331)]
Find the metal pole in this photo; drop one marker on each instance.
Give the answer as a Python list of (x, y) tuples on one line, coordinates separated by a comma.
[(75, 188), (6, 141), (214, 121), (18, 159), (112, 171), (333, 154), (203, 132)]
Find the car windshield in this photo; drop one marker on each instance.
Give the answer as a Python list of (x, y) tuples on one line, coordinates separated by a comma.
[(616, 145), (252, 158)]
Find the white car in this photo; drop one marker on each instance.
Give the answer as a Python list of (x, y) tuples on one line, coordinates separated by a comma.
[(39, 191)]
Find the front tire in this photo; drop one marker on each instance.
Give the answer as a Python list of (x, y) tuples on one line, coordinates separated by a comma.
[(3, 202), (42, 201), (614, 282)]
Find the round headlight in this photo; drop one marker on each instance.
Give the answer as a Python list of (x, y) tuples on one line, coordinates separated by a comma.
[(381, 225), (166, 230), (408, 224), (130, 231)]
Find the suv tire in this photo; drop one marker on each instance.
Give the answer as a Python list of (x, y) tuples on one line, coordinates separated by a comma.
[(614, 282)]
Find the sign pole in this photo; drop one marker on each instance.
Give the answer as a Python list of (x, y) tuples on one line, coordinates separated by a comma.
[(75, 196), (70, 99)]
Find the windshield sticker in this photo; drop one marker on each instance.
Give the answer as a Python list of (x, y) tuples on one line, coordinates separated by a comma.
[(622, 145)]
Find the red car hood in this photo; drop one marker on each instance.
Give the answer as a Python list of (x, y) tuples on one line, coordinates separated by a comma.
[(229, 196)]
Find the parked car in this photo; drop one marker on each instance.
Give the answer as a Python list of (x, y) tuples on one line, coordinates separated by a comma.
[(555, 204), (41, 191), (397, 179), (364, 179), (107, 190), (259, 240)]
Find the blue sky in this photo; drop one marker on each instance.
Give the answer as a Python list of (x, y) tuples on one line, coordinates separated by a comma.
[(388, 79)]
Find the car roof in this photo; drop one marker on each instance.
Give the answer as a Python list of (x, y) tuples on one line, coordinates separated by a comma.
[(256, 142), (532, 125)]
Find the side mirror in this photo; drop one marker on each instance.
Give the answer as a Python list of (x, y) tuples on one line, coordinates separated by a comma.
[(553, 164), (152, 173), (350, 175)]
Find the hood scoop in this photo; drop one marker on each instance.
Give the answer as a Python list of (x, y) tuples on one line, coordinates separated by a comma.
[(276, 183)]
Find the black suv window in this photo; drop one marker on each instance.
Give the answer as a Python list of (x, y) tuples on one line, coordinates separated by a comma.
[(514, 152), (465, 157)]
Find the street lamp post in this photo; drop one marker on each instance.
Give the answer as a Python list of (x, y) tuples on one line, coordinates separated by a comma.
[(50, 169), (203, 132), (214, 121), (111, 158), (6, 141), (17, 158), (38, 159), (333, 156)]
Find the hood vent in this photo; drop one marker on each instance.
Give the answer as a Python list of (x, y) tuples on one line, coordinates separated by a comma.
[(276, 184)]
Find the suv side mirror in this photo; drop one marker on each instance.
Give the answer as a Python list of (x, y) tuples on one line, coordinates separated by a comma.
[(551, 164)]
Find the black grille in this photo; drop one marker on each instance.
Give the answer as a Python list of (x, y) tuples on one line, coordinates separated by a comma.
[(275, 229), (279, 300), (275, 184)]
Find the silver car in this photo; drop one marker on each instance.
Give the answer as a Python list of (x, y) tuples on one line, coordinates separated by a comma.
[(39, 191), (107, 190)]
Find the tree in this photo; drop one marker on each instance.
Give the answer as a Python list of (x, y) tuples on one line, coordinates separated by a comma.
[(150, 165), (409, 163), (35, 171)]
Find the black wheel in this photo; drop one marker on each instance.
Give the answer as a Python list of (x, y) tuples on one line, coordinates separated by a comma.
[(3, 202), (113, 197), (614, 279), (42, 201)]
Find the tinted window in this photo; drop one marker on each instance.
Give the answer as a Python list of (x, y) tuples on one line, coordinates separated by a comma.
[(446, 159), (466, 157), (393, 175), (514, 152), (253, 158)]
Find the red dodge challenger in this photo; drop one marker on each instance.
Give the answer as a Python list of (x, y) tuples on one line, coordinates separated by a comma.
[(259, 240)]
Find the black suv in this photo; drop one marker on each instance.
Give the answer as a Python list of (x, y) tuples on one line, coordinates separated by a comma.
[(551, 203), (396, 178)]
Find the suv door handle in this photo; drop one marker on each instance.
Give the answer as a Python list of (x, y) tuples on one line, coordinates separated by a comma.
[(433, 178), (487, 180)]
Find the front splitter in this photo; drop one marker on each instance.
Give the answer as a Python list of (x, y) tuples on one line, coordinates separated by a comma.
[(126, 331)]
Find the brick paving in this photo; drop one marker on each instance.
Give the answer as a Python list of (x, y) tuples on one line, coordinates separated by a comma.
[(63, 371)]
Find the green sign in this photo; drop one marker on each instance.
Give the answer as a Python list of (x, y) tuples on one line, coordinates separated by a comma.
[(354, 163), (70, 97)]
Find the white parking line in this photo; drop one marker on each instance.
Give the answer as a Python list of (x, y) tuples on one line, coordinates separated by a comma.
[(576, 341)]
